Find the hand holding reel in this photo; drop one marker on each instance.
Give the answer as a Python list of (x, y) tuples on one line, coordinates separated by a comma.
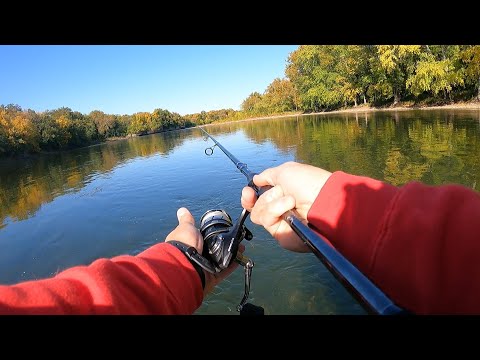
[(221, 241)]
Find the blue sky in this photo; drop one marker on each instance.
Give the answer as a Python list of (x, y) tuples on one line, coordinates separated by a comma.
[(129, 79)]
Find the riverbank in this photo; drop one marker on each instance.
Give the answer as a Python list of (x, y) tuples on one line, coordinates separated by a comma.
[(471, 105), (129, 136)]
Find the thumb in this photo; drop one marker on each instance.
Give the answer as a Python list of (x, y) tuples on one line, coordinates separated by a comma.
[(266, 177), (184, 216)]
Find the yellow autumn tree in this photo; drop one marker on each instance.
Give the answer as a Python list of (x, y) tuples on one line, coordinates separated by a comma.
[(22, 134), (64, 135), (435, 76), (471, 58), (398, 61), (3, 132), (280, 96)]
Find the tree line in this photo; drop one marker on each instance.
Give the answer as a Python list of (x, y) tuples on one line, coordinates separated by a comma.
[(26, 131), (317, 78), (328, 77)]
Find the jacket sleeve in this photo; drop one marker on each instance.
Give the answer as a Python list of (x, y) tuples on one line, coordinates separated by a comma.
[(420, 244), (160, 280)]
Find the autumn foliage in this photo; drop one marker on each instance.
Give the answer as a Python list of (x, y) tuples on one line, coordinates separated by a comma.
[(25, 131), (318, 78)]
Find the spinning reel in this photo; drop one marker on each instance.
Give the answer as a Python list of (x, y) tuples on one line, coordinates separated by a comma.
[(221, 241)]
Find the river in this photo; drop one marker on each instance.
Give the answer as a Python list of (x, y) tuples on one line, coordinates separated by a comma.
[(70, 208)]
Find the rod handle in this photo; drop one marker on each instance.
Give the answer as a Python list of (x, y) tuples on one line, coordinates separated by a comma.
[(262, 189)]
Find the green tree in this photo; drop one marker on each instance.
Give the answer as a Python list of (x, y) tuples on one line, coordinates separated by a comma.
[(312, 70), (4, 124), (470, 57), (48, 132), (355, 74), (102, 121), (139, 124), (398, 63), (434, 76), (280, 96), (64, 135), (249, 105)]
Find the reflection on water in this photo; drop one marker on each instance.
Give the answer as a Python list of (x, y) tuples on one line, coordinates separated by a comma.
[(63, 209), (431, 146), (26, 185)]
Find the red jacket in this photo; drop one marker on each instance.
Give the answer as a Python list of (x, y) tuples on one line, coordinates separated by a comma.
[(159, 280), (418, 243)]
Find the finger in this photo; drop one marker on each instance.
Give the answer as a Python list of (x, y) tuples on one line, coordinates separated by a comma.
[(266, 177), (184, 216), (276, 208), (248, 198), (280, 206), (273, 193)]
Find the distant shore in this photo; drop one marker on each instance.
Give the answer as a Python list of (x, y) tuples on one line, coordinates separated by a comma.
[(472, 105)]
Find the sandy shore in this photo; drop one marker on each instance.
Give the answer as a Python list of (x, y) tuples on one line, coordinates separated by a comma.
[(458, 106), (365, 109)]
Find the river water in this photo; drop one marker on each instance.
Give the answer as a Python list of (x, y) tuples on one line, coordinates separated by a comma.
[(70, 208)]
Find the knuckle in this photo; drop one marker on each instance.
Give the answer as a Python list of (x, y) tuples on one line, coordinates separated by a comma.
[(289, 164)]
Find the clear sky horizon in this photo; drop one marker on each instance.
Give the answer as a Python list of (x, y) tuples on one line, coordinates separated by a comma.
[(127, 79)]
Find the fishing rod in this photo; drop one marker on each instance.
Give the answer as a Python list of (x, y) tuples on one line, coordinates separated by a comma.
[(368, 295)]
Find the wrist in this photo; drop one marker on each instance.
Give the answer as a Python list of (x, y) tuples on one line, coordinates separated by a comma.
[(186, 251)]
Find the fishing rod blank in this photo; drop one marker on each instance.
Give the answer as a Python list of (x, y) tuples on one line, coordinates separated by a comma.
[(372, 299)]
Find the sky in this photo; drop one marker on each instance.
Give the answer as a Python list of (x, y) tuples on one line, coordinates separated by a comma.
[(128, 79)]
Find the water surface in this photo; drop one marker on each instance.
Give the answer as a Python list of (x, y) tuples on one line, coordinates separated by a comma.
[(70, 208)]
